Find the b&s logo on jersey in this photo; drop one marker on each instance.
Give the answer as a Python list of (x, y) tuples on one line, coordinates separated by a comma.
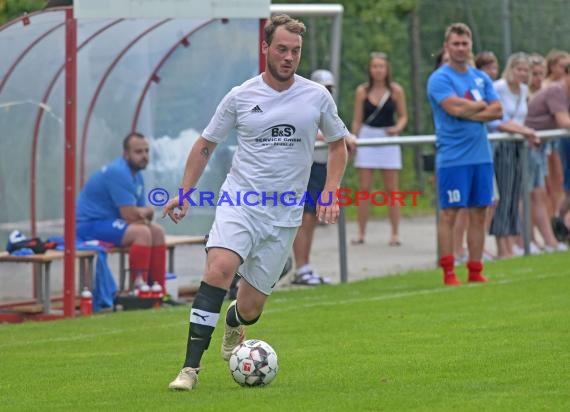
[(280, 130), (279, 135)]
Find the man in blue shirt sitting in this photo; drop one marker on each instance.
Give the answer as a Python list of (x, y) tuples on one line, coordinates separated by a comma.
[(112, 208)]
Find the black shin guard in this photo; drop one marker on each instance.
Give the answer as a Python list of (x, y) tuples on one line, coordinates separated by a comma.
[(203, 318), (234, 319)]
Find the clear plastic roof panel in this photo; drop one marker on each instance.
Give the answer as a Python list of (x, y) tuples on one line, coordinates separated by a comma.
[(161, 77)]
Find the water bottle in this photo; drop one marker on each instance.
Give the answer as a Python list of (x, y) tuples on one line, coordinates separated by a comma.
[(144, 291), (156, 290), (86, 305)]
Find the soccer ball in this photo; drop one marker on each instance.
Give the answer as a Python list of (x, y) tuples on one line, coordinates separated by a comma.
[(253, 363)]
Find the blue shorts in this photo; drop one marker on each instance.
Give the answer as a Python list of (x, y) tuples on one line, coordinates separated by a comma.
[(465, 186), (315, 186), (111, 231)]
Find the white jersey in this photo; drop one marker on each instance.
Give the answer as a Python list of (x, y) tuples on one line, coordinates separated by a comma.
[(276, 134)]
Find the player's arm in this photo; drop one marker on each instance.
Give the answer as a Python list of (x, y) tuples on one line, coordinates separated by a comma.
[(493, 111), (329, 211), (198, 158), (459, 107), (358, 113), (351, 143), (147, 212), (121, 191), (134, 214), (562, 119), (515, 128)]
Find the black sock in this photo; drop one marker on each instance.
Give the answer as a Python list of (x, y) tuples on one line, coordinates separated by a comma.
[(234, 319), (203, 318)]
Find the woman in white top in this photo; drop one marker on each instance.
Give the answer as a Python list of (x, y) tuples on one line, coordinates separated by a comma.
[(513, 92)]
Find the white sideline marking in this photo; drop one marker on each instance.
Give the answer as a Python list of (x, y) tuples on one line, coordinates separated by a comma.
[(398, 295), (442, 289), (84, 336)]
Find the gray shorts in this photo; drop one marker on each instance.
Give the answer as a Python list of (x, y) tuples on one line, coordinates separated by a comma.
[(263, 247)]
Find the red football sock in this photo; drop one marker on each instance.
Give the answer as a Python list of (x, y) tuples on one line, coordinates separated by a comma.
[(447, 264), (475, 268), (139, 261), (158, 264)]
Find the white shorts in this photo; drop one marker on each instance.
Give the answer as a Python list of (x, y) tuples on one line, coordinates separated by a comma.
[(377, 157), (263, 247)]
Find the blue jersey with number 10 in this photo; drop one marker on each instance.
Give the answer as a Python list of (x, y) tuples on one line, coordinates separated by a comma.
[(459, 141)]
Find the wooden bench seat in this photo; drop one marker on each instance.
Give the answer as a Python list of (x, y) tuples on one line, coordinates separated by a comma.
[(172, 241), (42, 262)]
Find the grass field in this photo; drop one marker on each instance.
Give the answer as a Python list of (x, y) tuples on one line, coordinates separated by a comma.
[(398, 343)]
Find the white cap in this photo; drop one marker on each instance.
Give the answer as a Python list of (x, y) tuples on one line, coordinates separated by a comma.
[(323, 77)]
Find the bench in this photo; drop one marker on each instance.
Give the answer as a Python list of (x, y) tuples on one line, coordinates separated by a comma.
[(172, 241), (42, 263)]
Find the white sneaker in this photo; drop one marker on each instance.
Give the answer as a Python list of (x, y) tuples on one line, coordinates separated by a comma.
[(186, 380), (232, 337), (534, 249), (517, 250), (461, 259), (560, 247), (322, 279), (306, 279)]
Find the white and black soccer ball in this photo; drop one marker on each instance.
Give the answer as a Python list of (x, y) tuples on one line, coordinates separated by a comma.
[(253, 363)]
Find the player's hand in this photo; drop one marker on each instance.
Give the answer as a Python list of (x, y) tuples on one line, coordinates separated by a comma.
[(174, 211), (328, 208), (392, 131), (532, 137)]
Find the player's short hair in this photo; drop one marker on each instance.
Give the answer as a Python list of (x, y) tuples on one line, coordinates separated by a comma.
[(291, 25), (130, 136), (461, 29)]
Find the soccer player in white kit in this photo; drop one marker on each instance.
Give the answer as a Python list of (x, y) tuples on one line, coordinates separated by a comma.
[(276, 116)]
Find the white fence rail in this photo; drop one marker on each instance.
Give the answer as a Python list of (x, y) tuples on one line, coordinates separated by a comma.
[(427, 139)]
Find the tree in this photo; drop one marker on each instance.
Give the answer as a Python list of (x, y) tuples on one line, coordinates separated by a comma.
[(10, 9)]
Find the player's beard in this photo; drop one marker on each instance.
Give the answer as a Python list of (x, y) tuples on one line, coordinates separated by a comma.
[(275, 73), (136, 167)]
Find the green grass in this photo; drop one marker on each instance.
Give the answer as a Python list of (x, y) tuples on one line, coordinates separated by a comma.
[(398, 343)]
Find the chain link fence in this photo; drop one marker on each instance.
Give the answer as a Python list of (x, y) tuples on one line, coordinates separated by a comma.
[(412, 40)]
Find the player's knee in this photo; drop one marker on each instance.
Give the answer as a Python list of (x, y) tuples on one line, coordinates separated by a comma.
[(157, 233), (140, 234), (448, 216), (219, 275)]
